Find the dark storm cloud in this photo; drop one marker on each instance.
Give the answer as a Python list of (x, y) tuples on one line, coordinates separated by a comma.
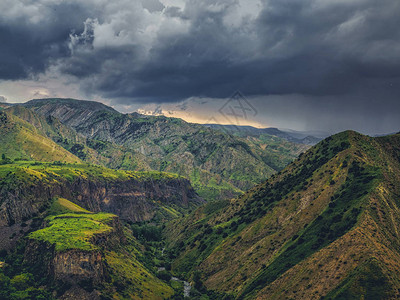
[(307, 47), (152, 51), (32, 35)]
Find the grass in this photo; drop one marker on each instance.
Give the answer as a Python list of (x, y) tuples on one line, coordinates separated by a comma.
[(62, 206), (29, 171), (367, 279), (21, 140), (335, 181), (209, 188), (70, 227), (171, 211), (337, 219), (205, 239), (131, 278), (73, 230)]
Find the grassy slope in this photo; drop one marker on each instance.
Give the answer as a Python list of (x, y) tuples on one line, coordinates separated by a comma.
[(368, 252), (92, 151), (62, 205), (71, 227), (292, 236), (21, 140), (127, 272)]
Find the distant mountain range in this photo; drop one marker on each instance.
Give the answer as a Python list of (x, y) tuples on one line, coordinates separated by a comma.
[(219, 164), (297, 137)]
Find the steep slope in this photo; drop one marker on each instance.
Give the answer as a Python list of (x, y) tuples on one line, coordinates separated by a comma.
[(326, 226), (92, 151), (21, 140), (67, 110), (219, 165)]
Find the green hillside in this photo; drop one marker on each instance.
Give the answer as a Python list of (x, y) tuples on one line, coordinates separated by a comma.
[(92, 151), (21, 140), (219, 165), (324, 226)]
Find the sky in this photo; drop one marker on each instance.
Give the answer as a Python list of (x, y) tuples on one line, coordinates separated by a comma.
[(322, 65)]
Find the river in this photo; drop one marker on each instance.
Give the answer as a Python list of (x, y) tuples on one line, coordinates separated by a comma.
[(186, 285)]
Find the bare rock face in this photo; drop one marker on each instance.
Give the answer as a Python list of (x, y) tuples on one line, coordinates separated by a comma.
[(75, 266), (81, 294), (77, 270), (133, 200)]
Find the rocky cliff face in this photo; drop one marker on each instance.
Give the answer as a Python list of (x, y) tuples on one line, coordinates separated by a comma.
[(78, 271), (133, 200), (71, 267)]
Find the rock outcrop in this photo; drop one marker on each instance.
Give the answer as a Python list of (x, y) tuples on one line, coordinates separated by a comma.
[(131, 199), (78, 271)]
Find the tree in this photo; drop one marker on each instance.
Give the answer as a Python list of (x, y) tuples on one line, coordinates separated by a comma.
[(4, 160)]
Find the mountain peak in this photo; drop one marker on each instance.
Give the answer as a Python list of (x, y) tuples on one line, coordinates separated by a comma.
[(72, 103)]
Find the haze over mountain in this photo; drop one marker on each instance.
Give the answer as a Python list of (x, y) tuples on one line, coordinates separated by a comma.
[(289, 135)]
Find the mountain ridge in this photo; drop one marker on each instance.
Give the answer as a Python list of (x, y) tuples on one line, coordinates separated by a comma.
[(254, 246), (218, 164), (291, 136), (92, 151)]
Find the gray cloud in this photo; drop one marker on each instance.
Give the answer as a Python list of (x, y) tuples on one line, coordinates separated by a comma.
[(3, 99), (163, 51), (152, 5), (33, 35), (308, 47)]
